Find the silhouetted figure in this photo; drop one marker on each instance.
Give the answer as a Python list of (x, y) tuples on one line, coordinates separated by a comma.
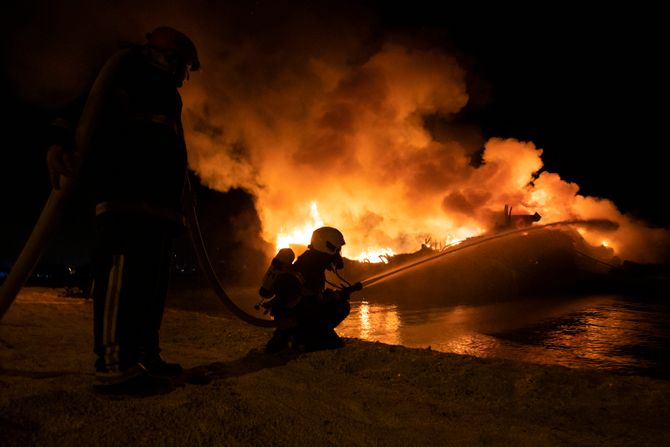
[(134, 172)]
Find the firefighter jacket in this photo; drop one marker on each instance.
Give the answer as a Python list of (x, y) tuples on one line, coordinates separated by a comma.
[(136, 163)]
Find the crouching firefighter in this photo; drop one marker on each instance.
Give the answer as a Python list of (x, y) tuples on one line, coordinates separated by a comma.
[(295, 294)]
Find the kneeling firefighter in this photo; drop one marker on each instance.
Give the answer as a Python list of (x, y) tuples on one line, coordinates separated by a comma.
[(295, 294)]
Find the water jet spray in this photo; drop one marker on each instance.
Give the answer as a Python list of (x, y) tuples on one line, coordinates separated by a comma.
[(600, 224)]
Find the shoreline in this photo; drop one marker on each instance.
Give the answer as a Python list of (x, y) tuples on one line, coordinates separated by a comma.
[(364, 394)]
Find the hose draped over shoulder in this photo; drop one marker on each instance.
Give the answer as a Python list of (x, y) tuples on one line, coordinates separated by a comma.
[(54, 207), (53, 210)]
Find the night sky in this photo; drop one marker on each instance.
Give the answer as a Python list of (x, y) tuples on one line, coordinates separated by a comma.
[(587, 86)]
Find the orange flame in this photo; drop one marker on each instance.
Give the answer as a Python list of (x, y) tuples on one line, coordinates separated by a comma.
[(353, 138), (300, 235)]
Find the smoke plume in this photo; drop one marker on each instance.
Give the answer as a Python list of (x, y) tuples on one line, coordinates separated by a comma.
[(318, 107)]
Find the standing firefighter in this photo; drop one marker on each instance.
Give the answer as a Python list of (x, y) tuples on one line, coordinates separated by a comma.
[(307, 312), (134, 170)]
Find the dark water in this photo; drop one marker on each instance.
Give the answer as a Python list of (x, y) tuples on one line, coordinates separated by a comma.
[(607, 332)]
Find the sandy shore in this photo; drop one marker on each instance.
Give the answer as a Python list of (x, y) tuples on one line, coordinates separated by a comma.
[(363, 394)]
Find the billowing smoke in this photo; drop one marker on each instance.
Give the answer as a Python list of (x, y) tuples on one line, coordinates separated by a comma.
[(310, 107), (348, 136), (342, 125)]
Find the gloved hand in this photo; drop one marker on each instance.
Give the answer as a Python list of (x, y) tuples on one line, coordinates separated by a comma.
[(346, 292), (60, 163)]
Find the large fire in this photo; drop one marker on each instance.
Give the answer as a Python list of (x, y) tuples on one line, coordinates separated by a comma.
[(322, 138), (303, 106)]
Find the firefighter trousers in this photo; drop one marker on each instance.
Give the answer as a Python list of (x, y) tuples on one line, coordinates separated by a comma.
[(132, 265)]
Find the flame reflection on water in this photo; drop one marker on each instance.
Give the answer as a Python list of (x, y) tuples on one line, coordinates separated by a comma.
[(378, 321), (602, 332)]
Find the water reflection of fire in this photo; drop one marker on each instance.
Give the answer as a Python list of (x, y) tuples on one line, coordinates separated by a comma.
[(597, 332), (378, 321)]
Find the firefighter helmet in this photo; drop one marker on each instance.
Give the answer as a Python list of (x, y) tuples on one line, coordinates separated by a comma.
[(327, 240), (167, 38)]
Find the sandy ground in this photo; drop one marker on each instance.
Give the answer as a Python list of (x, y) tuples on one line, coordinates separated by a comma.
[(364, 394)]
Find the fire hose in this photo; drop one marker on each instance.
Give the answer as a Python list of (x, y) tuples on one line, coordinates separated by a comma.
[(54, 208), (206, 264), (45, 228)]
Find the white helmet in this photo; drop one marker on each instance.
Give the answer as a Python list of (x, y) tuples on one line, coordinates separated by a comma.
[(327, 240)]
